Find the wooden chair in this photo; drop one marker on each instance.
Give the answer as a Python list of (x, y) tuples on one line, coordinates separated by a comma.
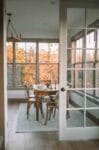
[(30, 99), (51, 106)]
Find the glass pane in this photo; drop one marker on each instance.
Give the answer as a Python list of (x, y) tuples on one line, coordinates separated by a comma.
[(78, 56), (90, 65), (79, 78), (74, 56), (75, 38), (92, 16), (91, 99), (89, 78), (75, 98), (49, 72), (75, 119), (90, 55), (97, 93), (92, 117), (90, 40), (9, 52), (75, 78), (76, 17), (97, 76), (25, 52), (90, 92), (90, 45), (9, 75), (70, 58), (78, 66), (25, 73), (70, 78), (97, 54), (48, 52)]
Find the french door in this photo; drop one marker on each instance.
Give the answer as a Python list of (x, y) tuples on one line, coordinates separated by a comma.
[(79, 74)]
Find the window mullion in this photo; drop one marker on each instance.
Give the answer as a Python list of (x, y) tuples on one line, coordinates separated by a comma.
[(14, 66), (37, 62)]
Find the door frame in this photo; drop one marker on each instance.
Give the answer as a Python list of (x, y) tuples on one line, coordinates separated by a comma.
[(78, 133)]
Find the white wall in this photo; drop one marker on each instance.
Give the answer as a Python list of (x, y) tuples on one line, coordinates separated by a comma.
[(16, 94)]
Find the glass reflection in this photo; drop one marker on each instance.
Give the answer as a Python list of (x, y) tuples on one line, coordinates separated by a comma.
[(92, 117), (75, 99), (92, 98), (78, 14), (9, 75), (25, 73), (92, 15), (90, 78), (25, 52), (76, 118), (75, 78)]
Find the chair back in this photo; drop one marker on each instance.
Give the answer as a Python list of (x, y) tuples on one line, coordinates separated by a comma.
[(26, 87)]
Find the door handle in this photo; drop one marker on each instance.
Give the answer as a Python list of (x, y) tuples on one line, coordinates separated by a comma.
[(63, 89)]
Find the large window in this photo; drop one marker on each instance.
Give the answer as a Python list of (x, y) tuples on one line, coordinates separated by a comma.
[(86, 54), (32, 62)]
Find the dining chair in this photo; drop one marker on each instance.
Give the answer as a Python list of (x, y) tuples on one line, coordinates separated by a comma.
[(31, 99), (51, 107)]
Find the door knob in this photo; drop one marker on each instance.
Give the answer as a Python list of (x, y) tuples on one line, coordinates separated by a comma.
[(62, 89)]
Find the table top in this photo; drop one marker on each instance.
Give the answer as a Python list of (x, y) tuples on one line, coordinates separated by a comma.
[(46, 91)]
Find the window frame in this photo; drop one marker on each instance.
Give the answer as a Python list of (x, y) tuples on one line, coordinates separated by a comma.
[(37, 63), (95, 62)]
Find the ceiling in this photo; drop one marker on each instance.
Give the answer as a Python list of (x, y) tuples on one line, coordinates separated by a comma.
[(40, 18), (35, 18)]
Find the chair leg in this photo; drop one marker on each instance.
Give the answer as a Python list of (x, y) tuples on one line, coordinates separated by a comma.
[(46, 116), (50, 114), (54, 112), (28, 107), (51, 111), (41, 109)]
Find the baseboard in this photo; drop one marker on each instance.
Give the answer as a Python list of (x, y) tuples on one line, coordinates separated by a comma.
[(17, 100)]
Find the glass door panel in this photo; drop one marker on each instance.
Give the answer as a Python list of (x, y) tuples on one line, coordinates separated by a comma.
[(81, 56)]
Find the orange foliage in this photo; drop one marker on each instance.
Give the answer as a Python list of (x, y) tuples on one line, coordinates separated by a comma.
[(47, 71)]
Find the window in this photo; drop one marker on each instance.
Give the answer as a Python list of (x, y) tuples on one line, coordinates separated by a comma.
[(90, 47), (32, 62), (79, 50), (25, 52), (88, 56), (10, 64), (48, 61), (78, 63)]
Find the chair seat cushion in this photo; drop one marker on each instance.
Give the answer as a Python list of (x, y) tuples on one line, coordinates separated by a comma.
[(32, 99), (32, 96)]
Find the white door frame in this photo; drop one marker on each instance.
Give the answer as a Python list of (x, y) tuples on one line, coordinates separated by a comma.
[(78, 133), (3, 74)]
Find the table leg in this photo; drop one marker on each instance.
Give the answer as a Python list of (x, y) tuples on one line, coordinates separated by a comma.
[(37, 109)]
